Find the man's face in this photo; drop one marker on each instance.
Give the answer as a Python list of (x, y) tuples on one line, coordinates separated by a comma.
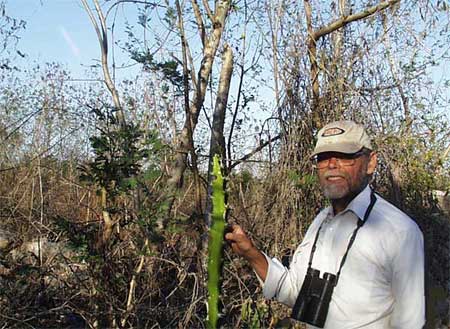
[(343, 176)]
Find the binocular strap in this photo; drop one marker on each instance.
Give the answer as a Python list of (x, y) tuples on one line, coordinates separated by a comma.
[(360, 223)]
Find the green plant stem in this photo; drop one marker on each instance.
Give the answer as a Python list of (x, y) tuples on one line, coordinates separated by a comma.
[(215, 245)]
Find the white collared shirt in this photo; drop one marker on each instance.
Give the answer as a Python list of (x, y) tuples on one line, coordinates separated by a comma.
[(381, 284)]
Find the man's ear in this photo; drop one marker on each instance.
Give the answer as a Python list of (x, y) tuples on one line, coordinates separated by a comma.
[(372, 165)]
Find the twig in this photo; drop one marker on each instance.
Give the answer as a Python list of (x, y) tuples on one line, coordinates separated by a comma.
[(256, 150), (133, 284)]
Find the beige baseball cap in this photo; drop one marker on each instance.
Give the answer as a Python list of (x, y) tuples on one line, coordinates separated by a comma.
[(342, 136)]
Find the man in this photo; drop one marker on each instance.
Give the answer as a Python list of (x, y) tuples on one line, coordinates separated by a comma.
[(380, 280)]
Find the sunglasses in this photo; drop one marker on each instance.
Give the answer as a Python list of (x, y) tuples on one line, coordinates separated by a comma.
[(322, 160)]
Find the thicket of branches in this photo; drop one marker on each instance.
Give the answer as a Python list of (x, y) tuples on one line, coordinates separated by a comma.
[(104, 193)]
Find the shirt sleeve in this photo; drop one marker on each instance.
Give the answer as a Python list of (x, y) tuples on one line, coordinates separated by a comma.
[(408, 281), (281, 283)]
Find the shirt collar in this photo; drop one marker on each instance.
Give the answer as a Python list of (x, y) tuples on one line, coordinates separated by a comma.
[(358, 205)]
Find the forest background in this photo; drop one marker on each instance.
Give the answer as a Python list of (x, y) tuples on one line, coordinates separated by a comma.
[(104, 171)]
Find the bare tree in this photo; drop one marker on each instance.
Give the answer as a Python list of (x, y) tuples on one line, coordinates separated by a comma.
[(211, 41), (314, 35), (101, 30)]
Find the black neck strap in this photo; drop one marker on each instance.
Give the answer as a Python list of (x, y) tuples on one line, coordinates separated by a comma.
[(360, 223)]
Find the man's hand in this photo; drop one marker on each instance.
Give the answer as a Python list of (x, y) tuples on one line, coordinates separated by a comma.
[(240, 243), (244, 247)]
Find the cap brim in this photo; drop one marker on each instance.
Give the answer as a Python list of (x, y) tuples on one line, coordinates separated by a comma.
[(347, 148)]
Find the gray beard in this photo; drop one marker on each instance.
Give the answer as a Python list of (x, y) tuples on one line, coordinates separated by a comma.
[(334, 192)]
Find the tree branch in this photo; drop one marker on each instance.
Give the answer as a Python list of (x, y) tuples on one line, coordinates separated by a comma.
[(199, 19), (208, 10), (253, 152), (133, 281), (398, 84), (118, 2), (355, 17), (103, 40), (217, 145), (312, 54)]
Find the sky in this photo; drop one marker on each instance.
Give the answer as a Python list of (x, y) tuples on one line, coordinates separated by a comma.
[(60, 31), (57, 31)]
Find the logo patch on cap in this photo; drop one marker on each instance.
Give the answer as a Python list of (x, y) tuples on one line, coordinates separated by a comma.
[(333, 132)]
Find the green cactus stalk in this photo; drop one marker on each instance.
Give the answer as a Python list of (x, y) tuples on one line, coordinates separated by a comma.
[(215, 244)]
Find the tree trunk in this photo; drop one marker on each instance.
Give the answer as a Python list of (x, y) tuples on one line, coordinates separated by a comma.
[(217, 143), (185, 140)]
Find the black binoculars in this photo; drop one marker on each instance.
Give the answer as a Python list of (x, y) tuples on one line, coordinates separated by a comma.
[(314, 298)]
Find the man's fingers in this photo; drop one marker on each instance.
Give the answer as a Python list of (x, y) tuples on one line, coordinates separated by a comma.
[(234, 233), (236, 229), (229, 237)]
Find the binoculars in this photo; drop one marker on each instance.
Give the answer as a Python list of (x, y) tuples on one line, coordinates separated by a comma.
[(314, 298)]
